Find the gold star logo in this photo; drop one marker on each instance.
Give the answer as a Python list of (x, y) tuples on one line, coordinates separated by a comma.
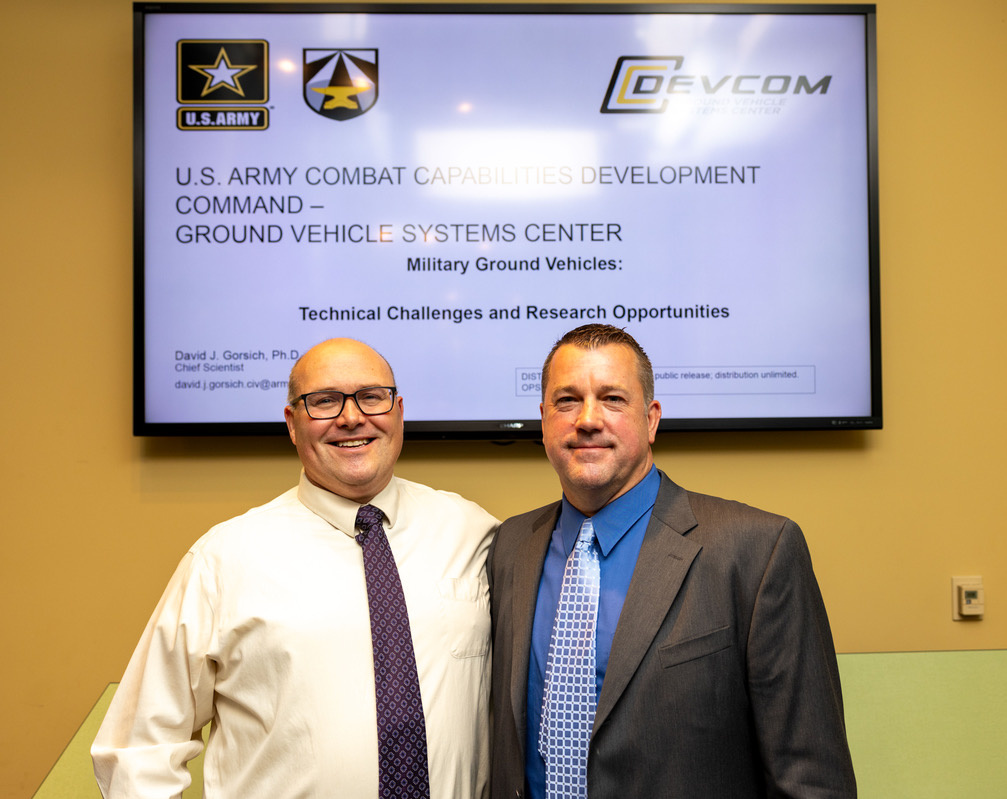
[(222, 74)]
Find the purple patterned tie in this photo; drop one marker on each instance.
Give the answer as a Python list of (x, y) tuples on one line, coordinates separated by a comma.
[(402, 734)]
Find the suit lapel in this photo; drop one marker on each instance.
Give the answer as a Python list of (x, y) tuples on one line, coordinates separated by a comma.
[(664, 560), (527, 573)]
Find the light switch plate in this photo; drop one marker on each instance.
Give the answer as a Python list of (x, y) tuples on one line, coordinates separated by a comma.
[(959, 583)]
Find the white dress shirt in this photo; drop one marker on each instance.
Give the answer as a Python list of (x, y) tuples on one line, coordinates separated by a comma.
[(264, 629)]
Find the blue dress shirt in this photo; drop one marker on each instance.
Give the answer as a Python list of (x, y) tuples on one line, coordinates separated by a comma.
[(620, 527)]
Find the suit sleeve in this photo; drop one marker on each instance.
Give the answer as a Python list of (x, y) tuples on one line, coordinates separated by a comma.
[(153, 726), (794, 684)]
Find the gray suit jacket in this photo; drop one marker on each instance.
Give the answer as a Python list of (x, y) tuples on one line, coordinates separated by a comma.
[(722, 682)]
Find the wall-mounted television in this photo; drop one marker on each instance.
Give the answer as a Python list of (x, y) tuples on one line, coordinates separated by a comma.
[(459, 185)]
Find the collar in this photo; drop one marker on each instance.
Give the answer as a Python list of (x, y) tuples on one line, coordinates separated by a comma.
[(341, 512), (613, 521)]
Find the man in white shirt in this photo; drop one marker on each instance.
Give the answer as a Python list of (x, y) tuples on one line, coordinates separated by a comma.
[(265, 630)]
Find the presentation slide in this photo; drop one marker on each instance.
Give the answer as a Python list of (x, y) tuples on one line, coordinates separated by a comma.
[(460, 189)]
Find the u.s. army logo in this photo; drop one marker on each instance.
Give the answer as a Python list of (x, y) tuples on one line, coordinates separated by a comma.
[(340, 84), (223, 71), (222, 84)]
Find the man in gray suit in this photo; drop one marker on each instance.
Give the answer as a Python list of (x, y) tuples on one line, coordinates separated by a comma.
[(711, 671)]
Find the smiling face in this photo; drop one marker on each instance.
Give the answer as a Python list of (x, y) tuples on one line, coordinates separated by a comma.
[(352, 455), (597, 425)]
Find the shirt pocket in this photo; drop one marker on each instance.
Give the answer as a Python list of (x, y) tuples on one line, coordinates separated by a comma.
[(465, 611)]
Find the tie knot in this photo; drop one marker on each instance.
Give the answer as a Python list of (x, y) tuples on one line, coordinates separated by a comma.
[(368, 520), (586, 536)]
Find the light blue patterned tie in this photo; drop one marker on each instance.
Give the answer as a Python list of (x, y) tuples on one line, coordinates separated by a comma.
[(570, 697)]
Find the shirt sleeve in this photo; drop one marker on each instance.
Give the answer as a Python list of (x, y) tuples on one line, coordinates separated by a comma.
[(153, 726)]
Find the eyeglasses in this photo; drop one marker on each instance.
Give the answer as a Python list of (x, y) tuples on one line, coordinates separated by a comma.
[(371, 401)]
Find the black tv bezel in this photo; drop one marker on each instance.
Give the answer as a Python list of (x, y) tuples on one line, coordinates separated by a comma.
[(506, 429)]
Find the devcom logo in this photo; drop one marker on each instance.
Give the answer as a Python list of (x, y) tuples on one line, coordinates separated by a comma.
[(637, 84), (642, 85)]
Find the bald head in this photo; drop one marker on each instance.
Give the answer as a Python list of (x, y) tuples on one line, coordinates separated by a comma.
[(333, 350)]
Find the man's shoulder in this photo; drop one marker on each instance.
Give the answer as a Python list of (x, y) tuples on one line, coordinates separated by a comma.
[(729, 527), (672, 496), (439, 499), (709, 507), (261, 517), (285, 503), (531, 518)]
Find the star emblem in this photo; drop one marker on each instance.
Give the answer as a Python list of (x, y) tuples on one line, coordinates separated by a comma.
[(222, 74)]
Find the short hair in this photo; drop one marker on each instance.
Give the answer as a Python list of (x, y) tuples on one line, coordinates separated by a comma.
[(293, 389), (593, 336)]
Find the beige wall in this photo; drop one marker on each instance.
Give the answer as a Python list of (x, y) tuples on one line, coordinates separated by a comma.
[(94, 520)]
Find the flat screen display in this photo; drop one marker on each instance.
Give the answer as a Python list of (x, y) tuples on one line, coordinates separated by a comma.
[(460, 185)]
